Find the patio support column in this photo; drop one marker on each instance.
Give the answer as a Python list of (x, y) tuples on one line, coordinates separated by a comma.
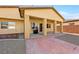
[(55, 26), (27, 27), (52, 27), (61, 26), (45, 27)]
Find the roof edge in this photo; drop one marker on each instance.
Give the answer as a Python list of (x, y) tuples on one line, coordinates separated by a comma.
[(58, 13), (44, 7), (32, 7)]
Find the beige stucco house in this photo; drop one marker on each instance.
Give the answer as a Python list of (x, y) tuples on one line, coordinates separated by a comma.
[(22, 20)]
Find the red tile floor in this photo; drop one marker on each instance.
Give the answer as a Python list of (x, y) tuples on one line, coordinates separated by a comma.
[(50, 45)]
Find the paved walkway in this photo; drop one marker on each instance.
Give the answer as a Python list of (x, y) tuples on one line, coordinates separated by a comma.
[(51, 44)]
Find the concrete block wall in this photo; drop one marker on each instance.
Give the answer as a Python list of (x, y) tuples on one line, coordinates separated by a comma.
[(70, 28)]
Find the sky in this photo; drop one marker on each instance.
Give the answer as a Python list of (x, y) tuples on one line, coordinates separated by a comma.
[(69, 12)]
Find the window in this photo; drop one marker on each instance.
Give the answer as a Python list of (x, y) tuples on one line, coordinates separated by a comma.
[(11, 25), (4, 25), (7, 25), (48, 26)]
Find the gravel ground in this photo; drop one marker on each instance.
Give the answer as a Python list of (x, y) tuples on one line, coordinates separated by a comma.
[(12, 46), (69, 38)]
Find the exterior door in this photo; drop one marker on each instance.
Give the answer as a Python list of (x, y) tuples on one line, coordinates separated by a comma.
[(40, 27)]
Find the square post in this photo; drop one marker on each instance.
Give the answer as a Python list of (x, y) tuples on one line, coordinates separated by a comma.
[(45, 27), (55, 26), (27, 27), (61, 26)]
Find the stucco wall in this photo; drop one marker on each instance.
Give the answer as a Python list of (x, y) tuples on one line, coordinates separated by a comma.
[(20, 26), (51, 24)]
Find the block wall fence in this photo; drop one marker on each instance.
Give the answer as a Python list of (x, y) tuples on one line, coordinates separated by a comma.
[(71, 28)]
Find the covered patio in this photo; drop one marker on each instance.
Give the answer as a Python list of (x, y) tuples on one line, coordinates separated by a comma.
[(46, 19), (47, 26)]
